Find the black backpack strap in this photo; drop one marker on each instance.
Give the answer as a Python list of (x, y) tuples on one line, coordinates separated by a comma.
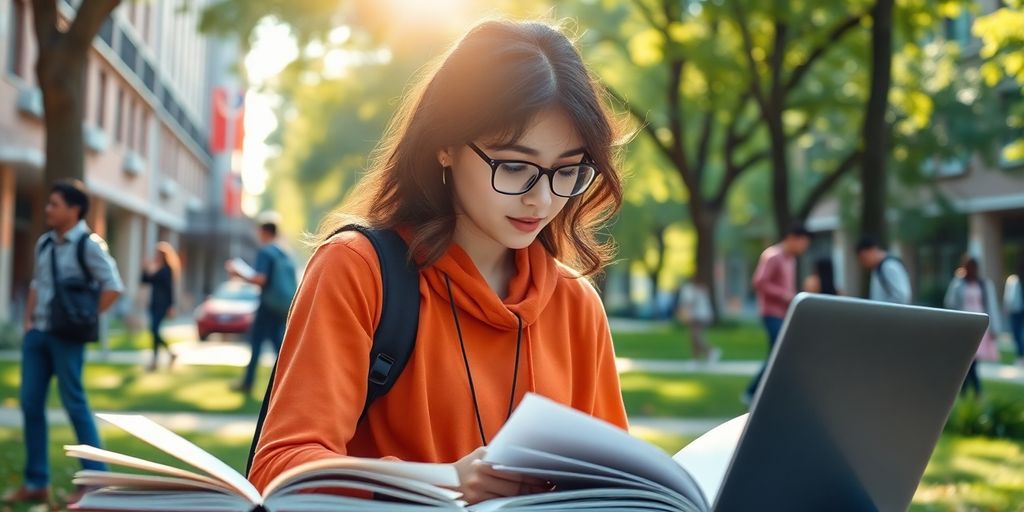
[(395, 337), (882, 279), (80, 253)]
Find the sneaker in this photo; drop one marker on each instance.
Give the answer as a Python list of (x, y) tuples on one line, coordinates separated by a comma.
[(76, 495), (27, 495), (746, 398), (714, 355)]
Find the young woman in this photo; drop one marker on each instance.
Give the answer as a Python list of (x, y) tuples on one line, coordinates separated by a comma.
[(161, 273), (970, 291), (823, 279), (497, 172)]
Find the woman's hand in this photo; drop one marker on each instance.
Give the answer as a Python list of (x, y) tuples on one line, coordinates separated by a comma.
[(480, 481)]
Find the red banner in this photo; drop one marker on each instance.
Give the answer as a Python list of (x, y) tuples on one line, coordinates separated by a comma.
[(233, 194), (228, 116)]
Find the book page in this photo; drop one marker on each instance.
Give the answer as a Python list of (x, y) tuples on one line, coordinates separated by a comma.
[(91, 478), (242, 268), (434, 474), (177, 446), (83, 451), (707, 458), (542, 424)]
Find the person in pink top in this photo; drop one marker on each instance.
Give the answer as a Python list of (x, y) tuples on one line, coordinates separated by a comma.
[(775, 284)]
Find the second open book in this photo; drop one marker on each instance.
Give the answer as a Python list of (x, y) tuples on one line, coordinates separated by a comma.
[(594, 466)]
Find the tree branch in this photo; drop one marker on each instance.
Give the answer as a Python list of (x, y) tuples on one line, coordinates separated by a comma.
[(88, 21), (834, 36), (44, 17), (641, 117), (778, 57), (826, 184), (748, 50), (704, 144), (648, 14)]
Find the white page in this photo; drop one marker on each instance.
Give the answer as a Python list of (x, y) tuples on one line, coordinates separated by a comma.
[(707, 458), (91, 478), (83, 451), (242, 268), (177, 446), (545, 425), (434, 474), (340, 474)]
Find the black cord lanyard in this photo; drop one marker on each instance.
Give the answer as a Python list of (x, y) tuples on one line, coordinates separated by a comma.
[(469, 373)]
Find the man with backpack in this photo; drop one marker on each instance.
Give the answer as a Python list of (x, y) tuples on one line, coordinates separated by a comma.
[(275, 275), (74, 281), (889, 279)]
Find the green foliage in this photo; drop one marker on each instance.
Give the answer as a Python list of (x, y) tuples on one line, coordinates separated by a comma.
[(998, 417)]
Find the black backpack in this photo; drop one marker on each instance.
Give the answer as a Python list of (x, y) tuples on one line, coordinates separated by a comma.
[(884, 281), (395, 338), (75, 306)]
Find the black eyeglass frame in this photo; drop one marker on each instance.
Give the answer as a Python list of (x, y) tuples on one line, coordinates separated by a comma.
[(544, 171)]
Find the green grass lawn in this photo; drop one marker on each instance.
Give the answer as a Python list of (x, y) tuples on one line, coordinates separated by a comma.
[(231, 449), (738, 341), (671, 341), (965, 473), (130, 388)]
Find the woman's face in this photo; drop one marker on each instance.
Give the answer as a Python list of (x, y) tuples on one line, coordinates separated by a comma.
[(513, 221)]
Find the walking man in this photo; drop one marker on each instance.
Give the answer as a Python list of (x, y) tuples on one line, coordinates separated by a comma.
[(56, 333)]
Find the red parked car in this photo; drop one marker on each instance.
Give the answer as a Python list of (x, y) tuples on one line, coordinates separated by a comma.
[(229, 310)]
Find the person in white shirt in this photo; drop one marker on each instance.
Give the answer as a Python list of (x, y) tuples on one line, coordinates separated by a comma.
[(889, 279), (971, 291), (1013, 304), (695, 311)]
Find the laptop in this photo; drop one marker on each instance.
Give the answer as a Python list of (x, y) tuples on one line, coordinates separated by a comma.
[(854, 398)]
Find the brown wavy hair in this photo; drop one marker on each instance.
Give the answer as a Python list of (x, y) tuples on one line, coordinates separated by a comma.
[(492, 83)]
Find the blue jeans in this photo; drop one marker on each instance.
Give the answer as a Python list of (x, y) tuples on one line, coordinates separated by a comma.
[(772, 326), (1017, 328), (265, 326), (42, 357)]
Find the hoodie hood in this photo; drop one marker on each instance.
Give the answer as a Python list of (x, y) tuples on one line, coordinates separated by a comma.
[(531, 287)]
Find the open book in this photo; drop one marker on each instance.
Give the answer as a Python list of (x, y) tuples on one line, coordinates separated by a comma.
[(594, 466)]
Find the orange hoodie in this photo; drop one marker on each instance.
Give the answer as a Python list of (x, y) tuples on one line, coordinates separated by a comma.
[(428, 415)]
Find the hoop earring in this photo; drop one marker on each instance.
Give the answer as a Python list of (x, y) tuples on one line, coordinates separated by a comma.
[(444, 174)]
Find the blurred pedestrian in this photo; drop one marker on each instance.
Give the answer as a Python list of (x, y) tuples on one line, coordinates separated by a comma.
[(74, 281), (161, 273), (274, 273), (889, 279), (970, 291), (822, 279), (695, 312), (775, 284), (1013, 303)]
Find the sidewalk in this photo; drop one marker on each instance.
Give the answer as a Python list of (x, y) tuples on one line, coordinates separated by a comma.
[(243, 425), (236, 353)]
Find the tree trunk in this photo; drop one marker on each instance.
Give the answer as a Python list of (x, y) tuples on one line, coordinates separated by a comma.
[(780, 171), (704, 222), (61, 74), (876, 130), (654, 272)]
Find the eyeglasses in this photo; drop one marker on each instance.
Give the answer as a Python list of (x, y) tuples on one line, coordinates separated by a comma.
[(517, 177)]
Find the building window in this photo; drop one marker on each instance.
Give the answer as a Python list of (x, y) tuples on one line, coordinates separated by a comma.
[(16, 46), (119, 117), (131, 124), (129, 52), (101, 100), (107, 32), (143, 125), (148, 76)]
